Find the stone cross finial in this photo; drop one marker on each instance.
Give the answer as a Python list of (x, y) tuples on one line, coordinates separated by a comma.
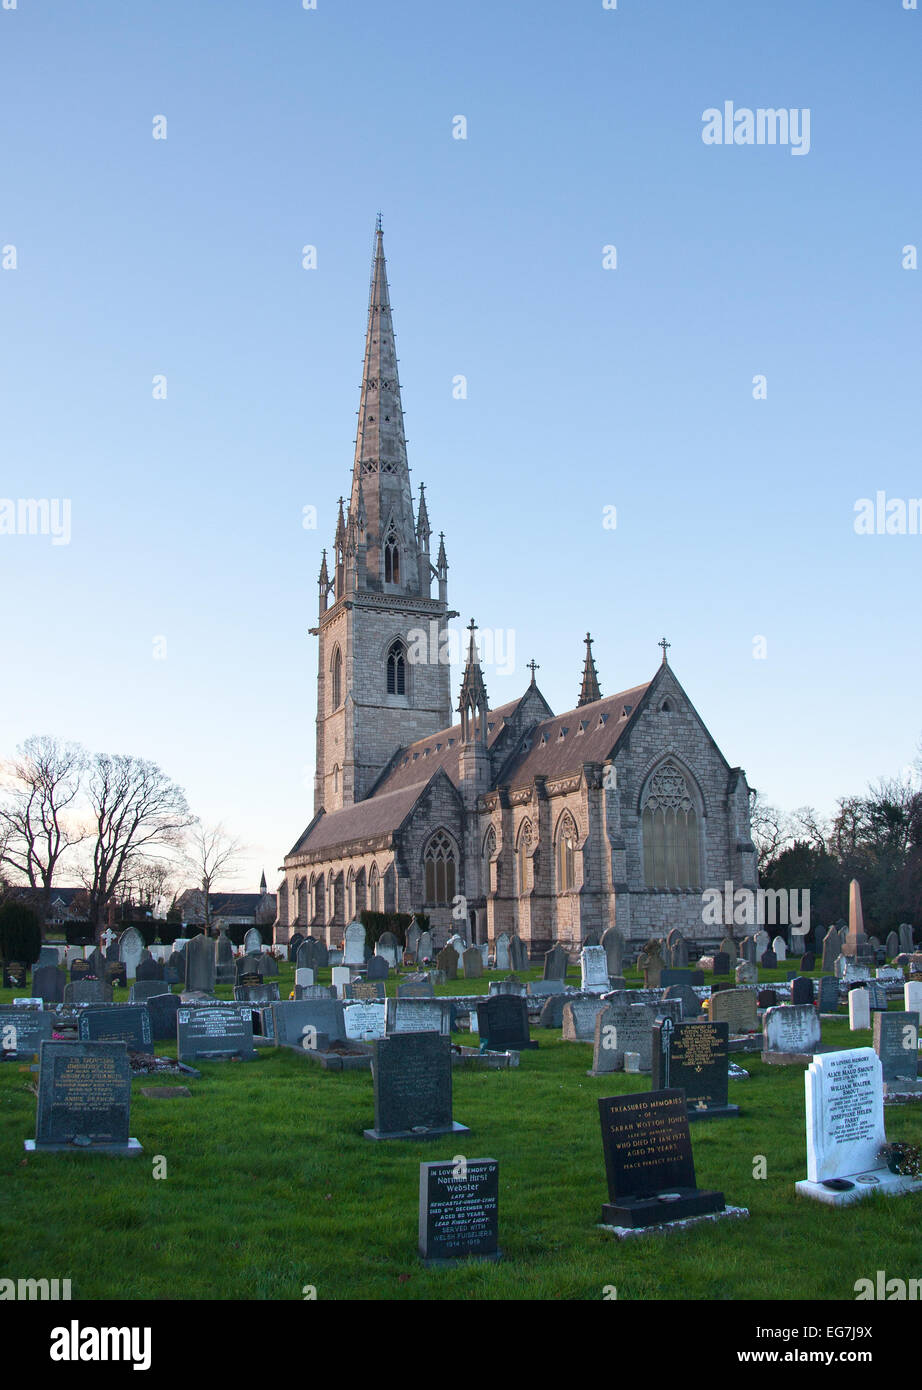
[(664, 644), (533, 667)]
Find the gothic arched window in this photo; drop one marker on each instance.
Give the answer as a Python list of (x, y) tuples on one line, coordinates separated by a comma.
[(391, 559), (521, 856), (439, 859), (350, 895), (373, 886), (337, 679), (397, 670), (317, 899), (566, 853), (670, 831)]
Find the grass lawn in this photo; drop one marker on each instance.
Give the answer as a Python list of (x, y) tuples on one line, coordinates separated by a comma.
[(271, 1186)]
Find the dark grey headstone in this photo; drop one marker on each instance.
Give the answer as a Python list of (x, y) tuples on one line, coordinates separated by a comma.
[(896, 1042), (23, 1030), (518, 954), (298, 1022), (694, 1058), (412, 1082), (163, 1009), (48, 984), (213, 1033), (555, 964), (87, 992), (117, 972), (14, 974), (84, 1098), (248, 970), (647, 1145), (721, 963), (265, 993), (377, 969), (691, 1004), (142, 990), (200, 964), (148, 968), (365, 989), (828, 994), (295, 943), (808, 961), (801, 990), (769, 960), (502, 1023), (79, 969), (459, 1210), (767, 998), (126, 1023)]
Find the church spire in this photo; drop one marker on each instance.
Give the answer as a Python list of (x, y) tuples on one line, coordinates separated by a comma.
[(590, 688), (380, 467), (473, 700)]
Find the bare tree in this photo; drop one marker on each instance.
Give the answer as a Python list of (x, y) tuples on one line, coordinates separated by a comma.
[(770, 829), (135, 809), (212, 854), (37, 825)]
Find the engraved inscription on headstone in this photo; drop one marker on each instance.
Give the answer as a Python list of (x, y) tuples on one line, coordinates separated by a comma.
[(459, 1210)]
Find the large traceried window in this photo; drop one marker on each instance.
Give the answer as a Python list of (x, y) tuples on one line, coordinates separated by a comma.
[(670, 831), (441, 865), (521, 857), (397, 670), (566, 853)]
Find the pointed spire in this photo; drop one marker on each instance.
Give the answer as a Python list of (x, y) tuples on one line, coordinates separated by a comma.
[(590, 688), (263, 885), (423, 529), (441, 563), (473, 693), (340, 525)]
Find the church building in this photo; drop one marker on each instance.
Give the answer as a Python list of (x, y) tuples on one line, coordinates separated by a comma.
[(620, 811)]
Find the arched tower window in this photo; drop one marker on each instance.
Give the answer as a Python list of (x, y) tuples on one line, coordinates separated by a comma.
[(397, 670), (566, 853), (391, 558), (441, 869), (670, 831), (337, 679), (521, 856)]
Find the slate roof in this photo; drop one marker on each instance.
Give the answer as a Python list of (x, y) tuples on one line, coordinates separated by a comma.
[(561, 745)]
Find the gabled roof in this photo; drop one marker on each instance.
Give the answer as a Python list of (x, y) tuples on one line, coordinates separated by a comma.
[(377, 815), (414, 765), (587, 734)]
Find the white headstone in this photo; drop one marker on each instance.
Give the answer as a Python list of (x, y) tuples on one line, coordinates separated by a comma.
[(365, 1019), (912, 997), (458, 943), (342, 976), (305, 976), (130, 950), (502, 951), (791, 1028), (779, 946), (594, 965), (354, 952), (859, 1009), (845, 1114), (761, 942), (252, 942)]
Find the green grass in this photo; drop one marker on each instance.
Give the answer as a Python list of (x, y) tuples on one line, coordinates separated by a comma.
[(271, 1186)]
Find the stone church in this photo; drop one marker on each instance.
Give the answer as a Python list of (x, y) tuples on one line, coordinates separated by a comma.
[(619, 811)]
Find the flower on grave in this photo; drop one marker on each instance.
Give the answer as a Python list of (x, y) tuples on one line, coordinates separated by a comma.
[(902, 1158)]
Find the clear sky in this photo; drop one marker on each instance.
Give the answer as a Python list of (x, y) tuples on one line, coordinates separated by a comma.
[(174, 622)]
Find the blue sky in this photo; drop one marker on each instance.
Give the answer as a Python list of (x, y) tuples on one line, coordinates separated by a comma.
[(587, 387)]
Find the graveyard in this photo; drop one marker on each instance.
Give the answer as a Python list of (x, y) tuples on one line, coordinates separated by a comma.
[(259, 1176)]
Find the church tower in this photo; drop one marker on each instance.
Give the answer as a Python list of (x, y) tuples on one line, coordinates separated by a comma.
[(380, 682)]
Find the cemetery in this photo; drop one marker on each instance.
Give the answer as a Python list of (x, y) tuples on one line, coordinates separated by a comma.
[(652, 1126)]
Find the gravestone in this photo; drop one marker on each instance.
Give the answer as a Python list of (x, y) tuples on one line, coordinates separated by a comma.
[(877, 995), (691, 1004), (89, 992), (14, 974), (148, 968), (389, 947), (304, 977), (415, 989), (141, 991), (791, 1032), (845, 1130), (253, 942), (472, 963), (414, 932), (801, 991), (579, 1017), (896, 1043), (412, 1084), (341, 978), (831, 951), (79, 969), (447, 962), (365, 1020), (694, 1058), (378, 969), (648, 1157), (780, 948), (808, 961), (768, 960), (214, 1033), (828, 994), (127, 1023), (458, 1211), (518, 954), (727, 948), (130, 950), (677, 951), (162, 1010), (556, 962), (200, 965), (365, 989), (502, 1024), (502, 951), (458, 943), (266, 993), (48, 984), (510, 985), (747, 973), (117, 973), (84, 1099), (849, 969), (224, 968), (177, 965), (613, 946), (621, 1028), (419, 1016), (48, 956), (301, 1023), (650, 961), (721, 964), (551, 1015), (748, 949), (96, 963), (295, 943), (767, 998), (736, 1008), (762, 941), (22, 1031), (354, 946), (270, 965), (247, 971), (859, 1010), (594, 967), (424, 950)]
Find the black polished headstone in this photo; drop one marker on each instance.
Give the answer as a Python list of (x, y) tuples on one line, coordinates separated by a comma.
[(768, 960), (828, 994), (458, 1210), (48, 984), (127, 1023), (412, 1083), (766, 998), (214, 1033), (116, 972), (23, 1030), (649, 1162), (801, 990), (694, 1058), (163, 1009), (502, 1023)]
